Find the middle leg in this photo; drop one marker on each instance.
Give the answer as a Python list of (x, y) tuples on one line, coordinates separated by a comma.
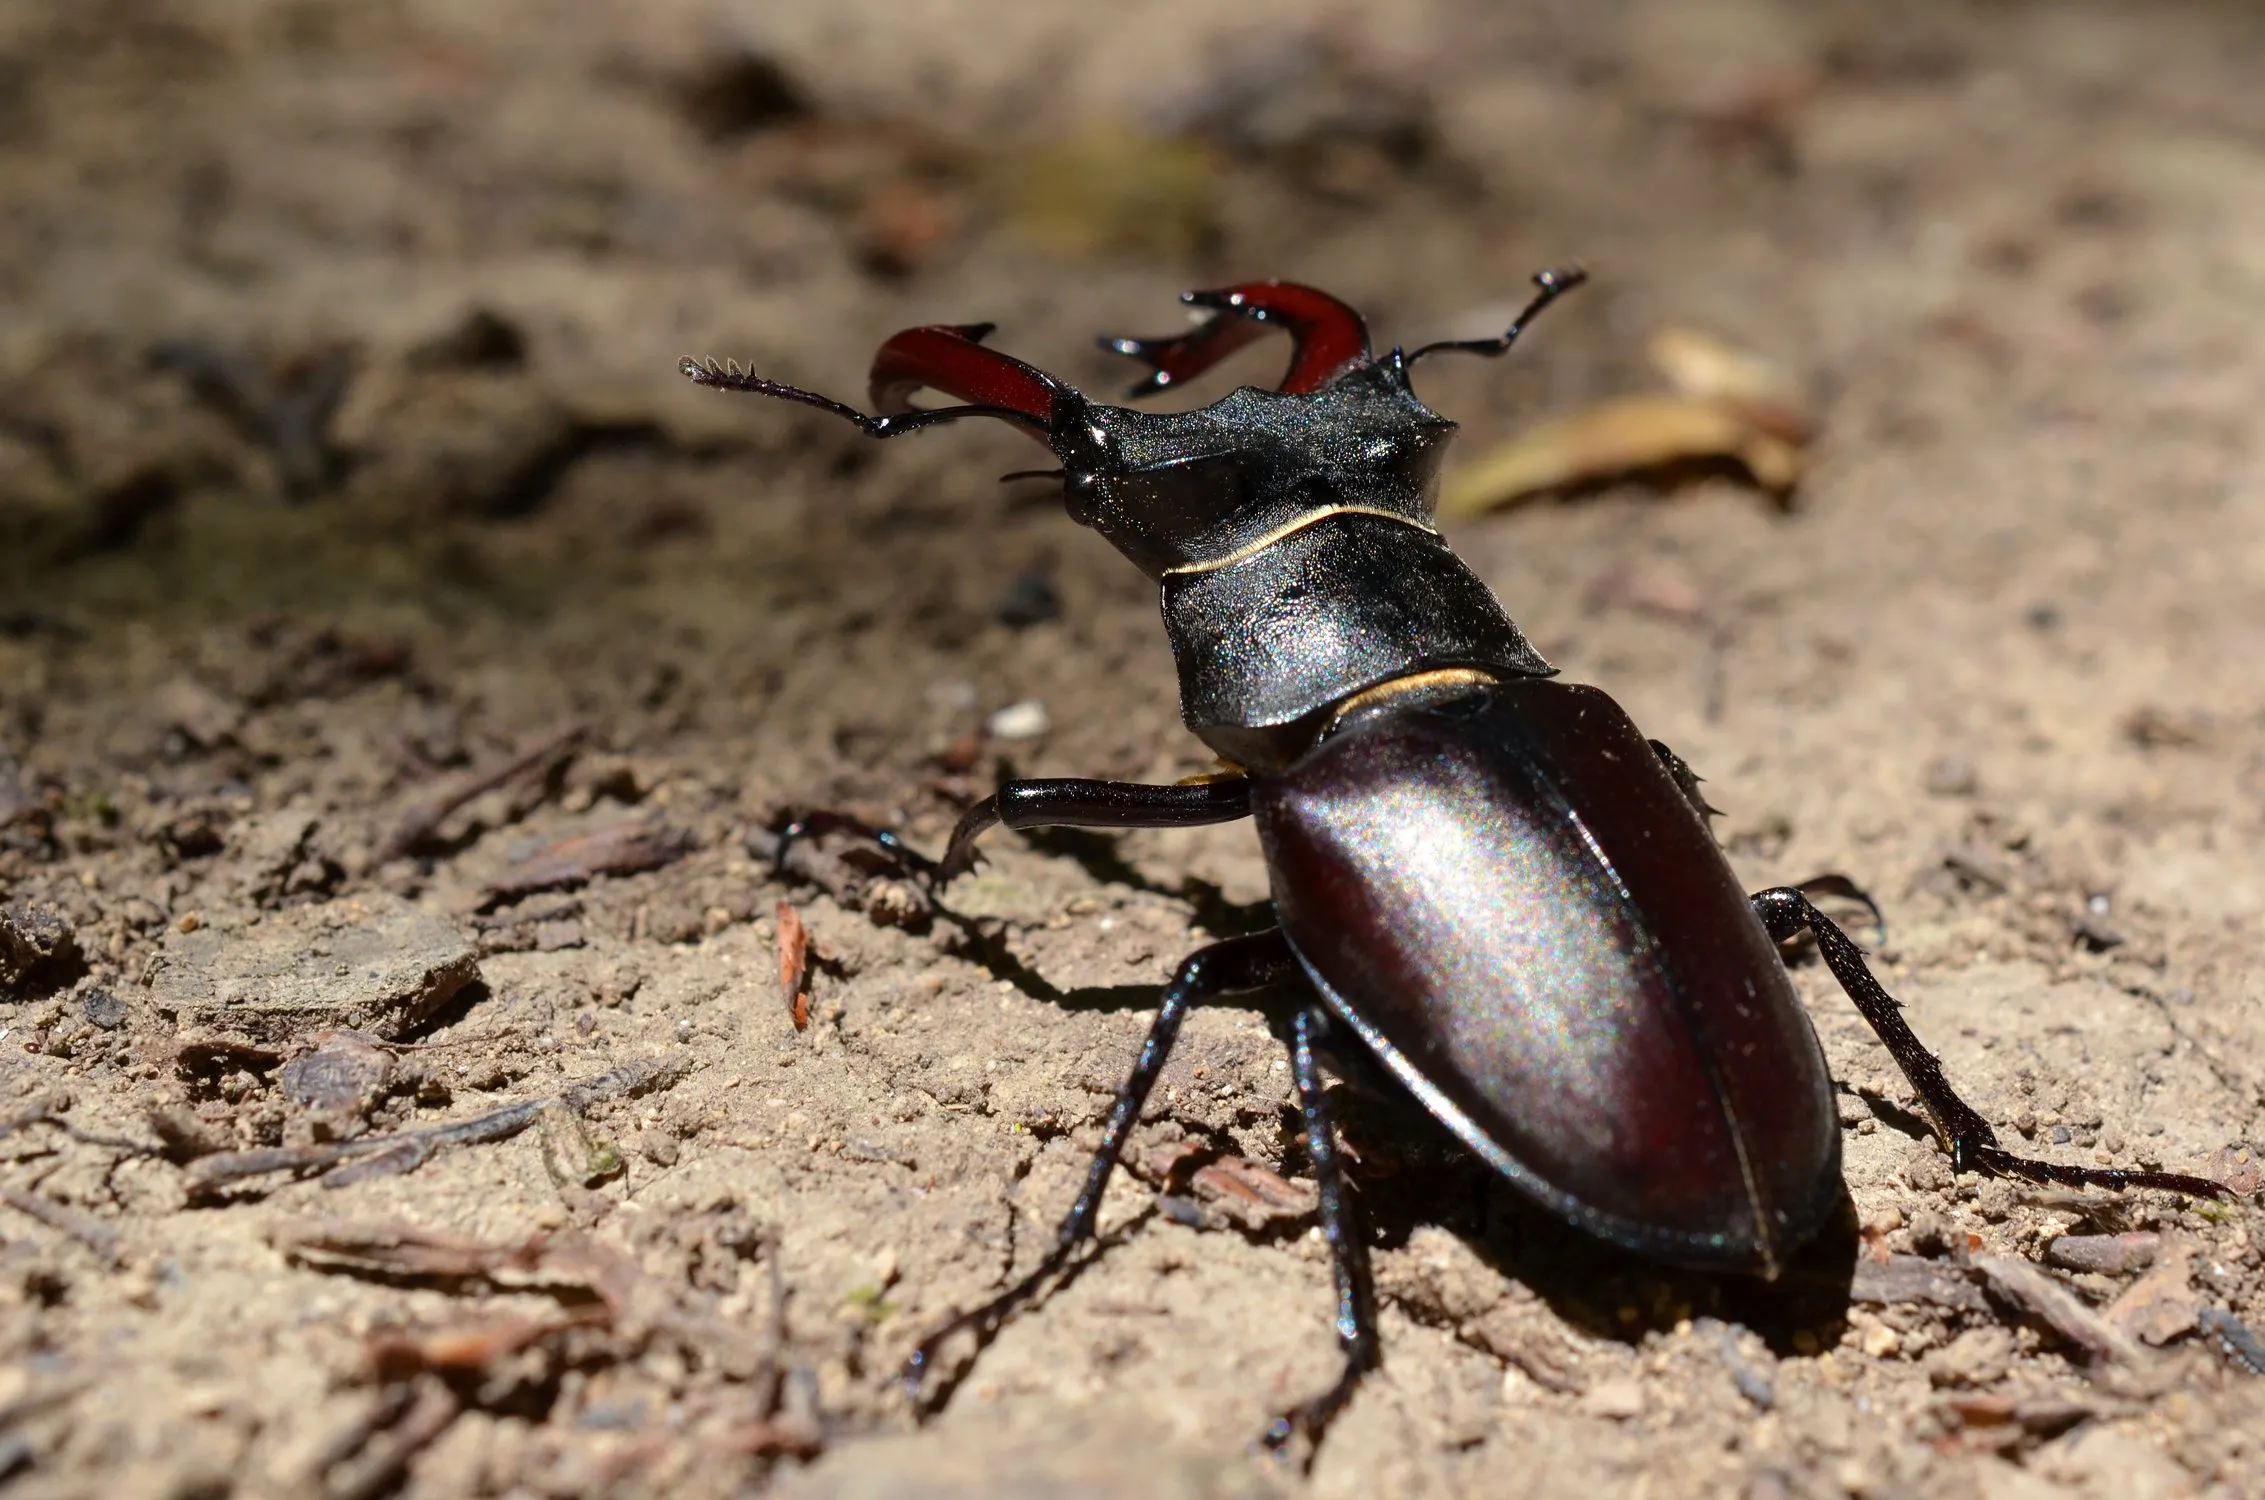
[(1348, 1252), (1244, 963)]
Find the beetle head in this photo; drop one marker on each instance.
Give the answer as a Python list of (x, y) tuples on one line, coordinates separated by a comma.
[(1178, 490)]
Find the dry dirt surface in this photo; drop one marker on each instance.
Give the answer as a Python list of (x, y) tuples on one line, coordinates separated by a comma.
[(401, 668)]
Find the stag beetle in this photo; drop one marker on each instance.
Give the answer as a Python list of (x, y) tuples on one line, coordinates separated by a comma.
[(1489, 877)]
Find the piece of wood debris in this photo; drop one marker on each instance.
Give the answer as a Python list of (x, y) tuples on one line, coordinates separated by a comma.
[(629, 847), (2028, 1290), (369, 962), (1913, 1279)]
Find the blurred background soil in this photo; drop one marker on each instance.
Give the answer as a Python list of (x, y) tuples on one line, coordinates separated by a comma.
[(401, 665)]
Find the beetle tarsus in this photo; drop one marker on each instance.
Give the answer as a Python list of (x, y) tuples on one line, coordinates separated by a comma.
[(1237, 964), (800, 826), (1833, 883), (1348, 1253), (1972, 1142)]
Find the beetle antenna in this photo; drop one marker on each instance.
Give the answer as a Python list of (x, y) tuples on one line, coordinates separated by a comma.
[(1034, 474), (728, 376), (939, 356), (1552, 285)]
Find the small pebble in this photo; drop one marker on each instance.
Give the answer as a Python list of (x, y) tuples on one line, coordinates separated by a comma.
[(1619, 1400), (104, 1009), (1028, 599), (1951, 776), (1026, 720)]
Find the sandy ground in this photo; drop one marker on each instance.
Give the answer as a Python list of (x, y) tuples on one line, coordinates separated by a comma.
[(344, 471)]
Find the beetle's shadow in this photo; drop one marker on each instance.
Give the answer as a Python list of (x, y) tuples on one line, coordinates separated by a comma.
[(1408, 1171), (1099, 856)]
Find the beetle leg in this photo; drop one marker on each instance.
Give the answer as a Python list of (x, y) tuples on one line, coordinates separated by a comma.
[(1973, 1144), (803, 825), (1078, 803), (1348, 1253), (1052, 802), (1242, 963), (1686, 781), (1833, 883)]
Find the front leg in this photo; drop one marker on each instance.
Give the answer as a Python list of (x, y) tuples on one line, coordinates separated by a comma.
[(1041, 803), (1078, 803), (1972, 1143)]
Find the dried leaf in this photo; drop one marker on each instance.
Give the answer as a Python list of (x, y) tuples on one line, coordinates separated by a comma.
[(794, 963), (1699, 364), (1623, 435)]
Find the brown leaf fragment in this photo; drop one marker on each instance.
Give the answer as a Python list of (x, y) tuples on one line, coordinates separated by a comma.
[(625, 848), (423, 819), (794, 963), (1994, 1420), (2023, 1287), (1254, 1196), (2160, 1305), (1907, 1279), (1729, 406)]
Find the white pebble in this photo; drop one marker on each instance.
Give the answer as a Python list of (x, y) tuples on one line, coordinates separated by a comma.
[(1026, 720)]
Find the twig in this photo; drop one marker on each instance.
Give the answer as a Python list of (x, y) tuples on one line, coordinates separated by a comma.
[(419, 823), (347, 1162), (83, 1137), (409, 1425), (85, 1228), (2031, 1291)]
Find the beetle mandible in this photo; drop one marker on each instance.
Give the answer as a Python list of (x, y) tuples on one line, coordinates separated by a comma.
[(1489, 877)]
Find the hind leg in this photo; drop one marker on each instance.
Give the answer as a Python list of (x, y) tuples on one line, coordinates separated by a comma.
[(1973, 1144)]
